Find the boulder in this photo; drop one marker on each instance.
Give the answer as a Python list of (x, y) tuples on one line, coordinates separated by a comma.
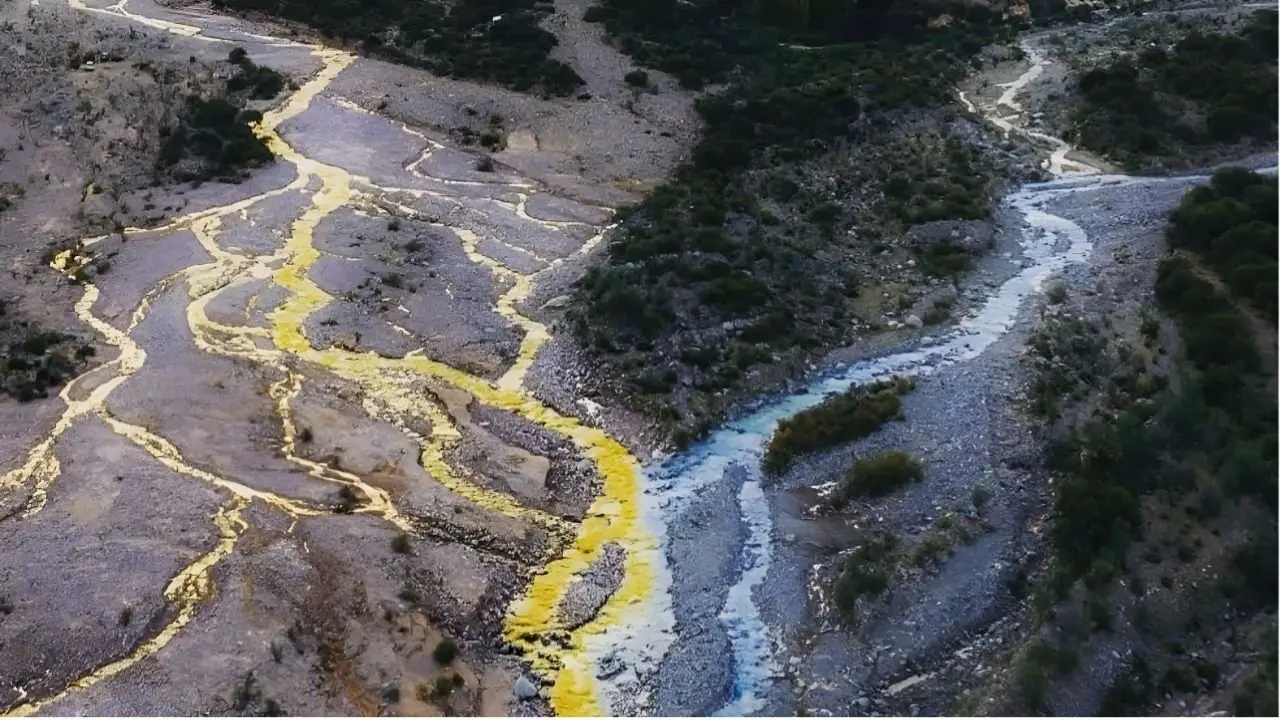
[(525, 688)]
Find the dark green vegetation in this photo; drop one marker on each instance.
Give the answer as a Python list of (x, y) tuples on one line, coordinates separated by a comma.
[(454, 39), (445, 652), (812, 163), (1208, 89), (36, 360), (259, 83), (1165, 507), (853, 414), (1231, 225), (880, 474), (866, 572), (213, 137), (1220, 426), (1257, 696)]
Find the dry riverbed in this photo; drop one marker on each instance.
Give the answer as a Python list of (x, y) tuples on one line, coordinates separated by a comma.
[(308, 454)]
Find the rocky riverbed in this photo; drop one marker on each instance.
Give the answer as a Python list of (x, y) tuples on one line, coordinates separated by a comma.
[(331, 457)]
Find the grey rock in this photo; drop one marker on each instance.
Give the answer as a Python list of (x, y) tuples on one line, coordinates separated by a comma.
[(914, 321), (556, 303), (525, 688)]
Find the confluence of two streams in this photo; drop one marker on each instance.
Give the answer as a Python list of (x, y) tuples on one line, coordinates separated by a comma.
[(387, 383)]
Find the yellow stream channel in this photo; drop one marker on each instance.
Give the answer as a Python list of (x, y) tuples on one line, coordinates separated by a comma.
[(389, 385)]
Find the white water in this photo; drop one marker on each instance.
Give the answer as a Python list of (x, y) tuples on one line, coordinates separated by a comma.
[(1049, 243)]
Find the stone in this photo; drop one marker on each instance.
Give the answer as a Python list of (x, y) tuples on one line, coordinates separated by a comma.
[(525, 688), (914, 321), (556, 303)]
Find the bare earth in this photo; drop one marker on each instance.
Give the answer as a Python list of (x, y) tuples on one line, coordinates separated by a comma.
[(307, 449)]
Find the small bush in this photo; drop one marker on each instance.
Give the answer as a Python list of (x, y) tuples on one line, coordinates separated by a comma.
[(881, 474), (445, 652), (126, 616), (866, 572), (444, 686), (637, 78), (400, 544), (843, 418), (979, 496)]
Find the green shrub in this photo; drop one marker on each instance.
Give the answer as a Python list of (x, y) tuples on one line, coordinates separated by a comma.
[(637, 78), (1257, 695), (865, 572), (743, 243), (843, 418), (881, 474), (445, 652), (1231, 224), (498, 41), (1133, 110), (216, 135)]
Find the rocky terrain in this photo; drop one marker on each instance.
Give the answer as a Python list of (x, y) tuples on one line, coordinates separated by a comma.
[(317, 434), (298, 469)]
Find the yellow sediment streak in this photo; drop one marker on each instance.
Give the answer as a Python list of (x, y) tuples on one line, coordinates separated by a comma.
[(187, 590), (612, 517), (394, 408), (165, 452), (535, 333), (377, 501), (42, 464)]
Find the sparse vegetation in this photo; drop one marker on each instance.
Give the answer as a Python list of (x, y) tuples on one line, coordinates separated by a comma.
[(1257, 695), (865, 572), (880, 474), (258, 83), (637, 78), (213, 137), (1208, 88), (497, 41), (37, 360), (348, 500), (444, 686), (445, 652), (752, 255), (979, 496), (840, 419), (1040, 663), (1170, 464)]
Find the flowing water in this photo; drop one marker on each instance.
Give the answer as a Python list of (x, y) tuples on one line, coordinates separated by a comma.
[(1048, 243), (636, 627)]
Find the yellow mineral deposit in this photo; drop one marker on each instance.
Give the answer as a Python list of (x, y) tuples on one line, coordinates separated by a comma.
[(186, 591), (392, 391), (376, 500)]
